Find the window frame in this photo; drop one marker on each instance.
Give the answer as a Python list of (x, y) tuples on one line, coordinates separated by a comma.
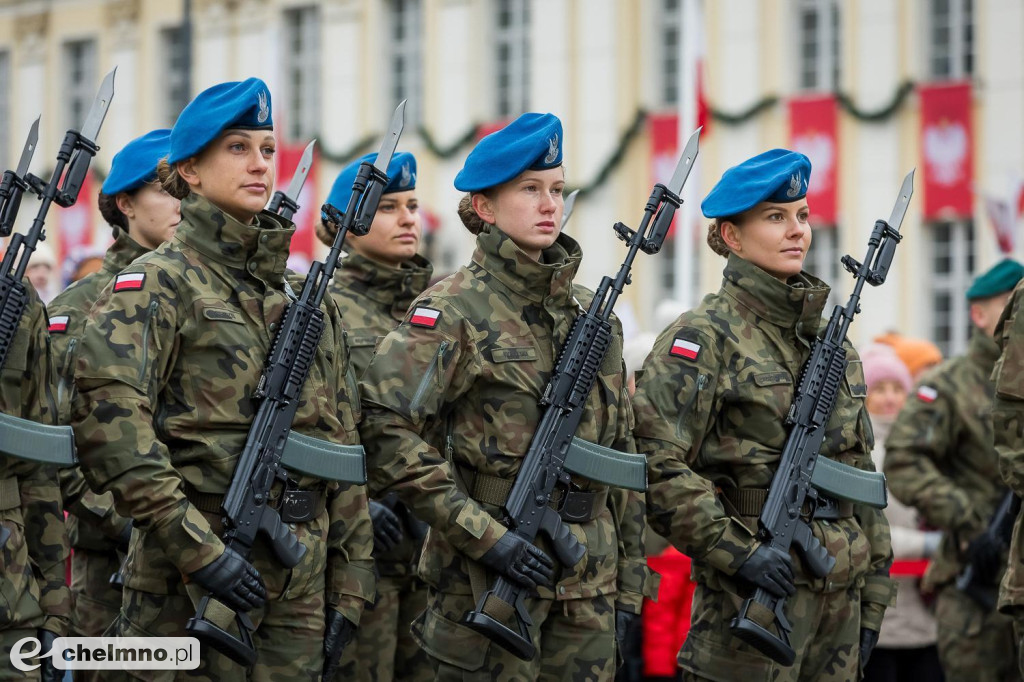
[(79, 94), (407, 84), (302, 43), (960, 42), (823, 71), (950, 328), (512, 73)]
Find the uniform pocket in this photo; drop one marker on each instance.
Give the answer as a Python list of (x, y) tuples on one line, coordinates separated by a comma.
[(450, 642)]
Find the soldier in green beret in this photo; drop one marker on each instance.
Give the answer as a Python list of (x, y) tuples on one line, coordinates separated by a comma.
[(940, 460), (711, 405)]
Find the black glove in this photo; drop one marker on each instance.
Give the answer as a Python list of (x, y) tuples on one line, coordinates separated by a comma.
[(338, 633), (985, 552), (770, 569), (233, 581), (47, 671), (868, 640), (519, 561), (387, 527), (625, 624)]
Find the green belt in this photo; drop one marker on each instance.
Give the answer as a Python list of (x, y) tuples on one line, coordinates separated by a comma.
[(36, 442), (750, 502), (313, 501), (10, 494), (576, 506)]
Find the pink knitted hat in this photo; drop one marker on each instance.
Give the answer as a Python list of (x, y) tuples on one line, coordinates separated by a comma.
[(882, 364)]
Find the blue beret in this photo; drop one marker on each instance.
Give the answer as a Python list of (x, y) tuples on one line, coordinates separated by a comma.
[(401, 177), (999, 279), (532, 141), (244, 104), (135, 164), (777, 175)]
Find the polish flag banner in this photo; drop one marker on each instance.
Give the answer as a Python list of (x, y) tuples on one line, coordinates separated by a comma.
[(947, 148), (813, 131)]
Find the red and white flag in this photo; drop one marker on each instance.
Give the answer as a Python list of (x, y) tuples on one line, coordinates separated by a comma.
[(685, 349), (927, 394), (58, 324), (425, 317), (131, 281), (947, 145)]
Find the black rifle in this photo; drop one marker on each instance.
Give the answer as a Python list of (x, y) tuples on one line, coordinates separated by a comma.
[(976, 583), (801, 474), (547, 463), (286, 203), (263, 461)]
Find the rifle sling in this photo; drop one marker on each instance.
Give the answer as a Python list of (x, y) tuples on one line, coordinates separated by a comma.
[(750, 502), (36, 442), (578, 506)]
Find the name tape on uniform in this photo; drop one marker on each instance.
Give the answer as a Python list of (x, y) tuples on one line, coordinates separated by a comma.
[(58, 324), (425, 317), (682, 348), (131, 281)]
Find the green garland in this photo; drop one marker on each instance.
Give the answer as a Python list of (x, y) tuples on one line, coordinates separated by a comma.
[(744, 116), (452, 149), (635, 128), (881, 114)]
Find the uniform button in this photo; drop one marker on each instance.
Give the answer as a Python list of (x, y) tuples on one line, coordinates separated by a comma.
[(252, 266), (561, 589), (292, 526), (810, 297), (263, 239), (273, 326)]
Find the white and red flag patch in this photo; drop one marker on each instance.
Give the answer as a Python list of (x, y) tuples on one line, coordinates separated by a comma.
[(425, 317), (685, 349), (927, 394), (131, 281), (58, 324)]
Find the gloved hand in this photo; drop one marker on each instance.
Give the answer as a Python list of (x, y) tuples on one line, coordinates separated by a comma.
[(47, 671), (233, 581), (770, 569), (519, 561), (387, 527), (338, 633), (985, 551), (624, 635), (868, 640)]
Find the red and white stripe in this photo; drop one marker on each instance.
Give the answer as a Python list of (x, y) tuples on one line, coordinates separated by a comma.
[(131, 281), (58, 324), (927, 394), (425, 317), (685, 349)]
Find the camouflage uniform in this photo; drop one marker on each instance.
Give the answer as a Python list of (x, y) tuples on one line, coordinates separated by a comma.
[(96, 541), (939, 459), (33, 592), (711, 420), (166, 369), (1008, 421), (373, 299), (452, 407)]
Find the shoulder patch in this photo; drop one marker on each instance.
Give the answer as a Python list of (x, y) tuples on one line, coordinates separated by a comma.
[(59, 324), (681, 348), (425, 317), (927, 394), (131, 281)]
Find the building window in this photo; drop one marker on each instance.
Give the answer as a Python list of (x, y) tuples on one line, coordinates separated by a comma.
[(174, 79), (512, 56), (405, 42), (950, 39), (818, 54), (80, 81), (669, 30), (302, 72), (5, 111), (952, 262), (824, 260)]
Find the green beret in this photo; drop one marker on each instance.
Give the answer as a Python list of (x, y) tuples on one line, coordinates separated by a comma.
[(999, 279)]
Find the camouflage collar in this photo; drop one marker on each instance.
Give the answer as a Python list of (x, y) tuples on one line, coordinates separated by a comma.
[(799, 302), (502, 259), (121, 253), (260, 249), (395, 287), (983, 350)]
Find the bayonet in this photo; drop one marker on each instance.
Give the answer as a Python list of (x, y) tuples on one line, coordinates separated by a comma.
[(29, 150), (390, 142), (685, 165), (286, 203), (902, 201), (94, 120), (570, 204)]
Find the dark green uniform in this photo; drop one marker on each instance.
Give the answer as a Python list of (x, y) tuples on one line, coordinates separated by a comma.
[(33, 561), (168, 363), (373, 299), (711, 404), (94, 528), (450, 409), (940, 460)]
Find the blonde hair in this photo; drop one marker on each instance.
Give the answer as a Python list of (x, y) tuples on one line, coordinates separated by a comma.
[(171, 180)]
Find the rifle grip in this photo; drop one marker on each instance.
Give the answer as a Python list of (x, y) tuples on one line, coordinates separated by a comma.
[(568, 549), (814, 555), (747, 629), (285, 546)]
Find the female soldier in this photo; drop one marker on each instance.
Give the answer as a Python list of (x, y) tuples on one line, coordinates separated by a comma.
[(450, 402), (169, 363), (142, 216), (373, 287), (711, 407)]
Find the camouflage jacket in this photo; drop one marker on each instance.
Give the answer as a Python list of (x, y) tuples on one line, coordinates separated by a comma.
[(939, 455), (170, 357), (68, 312), (464, 391), (1008, 434), (711, 405), (373, 299), (33, 564)]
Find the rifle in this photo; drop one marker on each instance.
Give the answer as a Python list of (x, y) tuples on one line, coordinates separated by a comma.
[(19, 437), (285, 204), (802, 474), (554, 452), (271, 449), (973, 581)]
